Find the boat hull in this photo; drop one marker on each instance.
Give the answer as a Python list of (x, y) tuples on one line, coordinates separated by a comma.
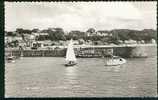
[(115, 62), (10, 59), (68, 65)]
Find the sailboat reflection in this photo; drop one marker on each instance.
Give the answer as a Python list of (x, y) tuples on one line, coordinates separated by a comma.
[(71, 76), (71, 72)]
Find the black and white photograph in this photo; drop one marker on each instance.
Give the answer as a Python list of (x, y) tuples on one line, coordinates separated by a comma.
[(80, 49)]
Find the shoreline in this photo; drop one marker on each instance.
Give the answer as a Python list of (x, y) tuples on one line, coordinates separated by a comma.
[(127, 51), (86, 46)]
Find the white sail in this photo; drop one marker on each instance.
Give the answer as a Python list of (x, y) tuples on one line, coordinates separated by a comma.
[(70, 54)]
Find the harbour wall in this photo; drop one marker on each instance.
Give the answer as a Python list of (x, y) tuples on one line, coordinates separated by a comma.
[(138, 51)]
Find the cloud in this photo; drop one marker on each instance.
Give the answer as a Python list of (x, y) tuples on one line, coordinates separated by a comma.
[(79, 15)]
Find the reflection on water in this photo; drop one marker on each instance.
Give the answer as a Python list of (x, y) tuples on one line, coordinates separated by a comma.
[(113, 68), (70, 76), (32, 88), (71, 71)]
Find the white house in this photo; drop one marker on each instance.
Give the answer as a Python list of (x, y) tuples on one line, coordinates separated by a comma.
[(130, 41), (153, 41), (99, 33), (102, 33)]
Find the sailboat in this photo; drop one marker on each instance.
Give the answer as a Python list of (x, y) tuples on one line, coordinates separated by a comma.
[(70, 55)]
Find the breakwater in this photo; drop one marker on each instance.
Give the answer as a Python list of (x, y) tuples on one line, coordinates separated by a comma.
[(89, 51)]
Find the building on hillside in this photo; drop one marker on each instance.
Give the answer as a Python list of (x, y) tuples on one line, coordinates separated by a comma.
[(90, 34), (120, 41), (130, 41), (43, 34), (35, 34), (75, 42), (153, 41), (22, 44), (43, 44), (99, 33), (103, 33), (29, 39), (40, 34)]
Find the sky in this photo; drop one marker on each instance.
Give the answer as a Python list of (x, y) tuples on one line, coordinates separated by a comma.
[(80, 15)]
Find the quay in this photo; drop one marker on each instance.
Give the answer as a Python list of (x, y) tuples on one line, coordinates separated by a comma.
[(87, 51)]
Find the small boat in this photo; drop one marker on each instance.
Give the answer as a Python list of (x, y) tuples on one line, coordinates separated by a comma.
[(70, 55), (70, 63), (115, 60), (10, 59)]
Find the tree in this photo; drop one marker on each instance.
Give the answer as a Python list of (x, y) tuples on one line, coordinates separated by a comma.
[(75, 34), (15, 43), (19, 30), (35, 30), (10, 34), (56, 34), (23, 31), (91, 30)]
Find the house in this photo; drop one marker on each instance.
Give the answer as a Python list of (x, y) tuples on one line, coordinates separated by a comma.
[(142, 41), (153, 41), (130, 41), (103, 33), (22, 43), (29, 39), (99, 33), (75, 42), (35, 34), (40, 34), (90, 34), (120, 41), (88, 42), (43, 34), (43, 43)]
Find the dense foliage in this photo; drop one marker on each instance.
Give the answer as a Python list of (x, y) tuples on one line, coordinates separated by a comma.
[(56, 34), (125, 34)]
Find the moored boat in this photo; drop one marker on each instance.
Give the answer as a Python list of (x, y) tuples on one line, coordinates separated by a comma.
[(114, 61), (10, 59)]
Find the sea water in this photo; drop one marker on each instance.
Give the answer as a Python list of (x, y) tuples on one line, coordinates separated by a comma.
[(48, 77)]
